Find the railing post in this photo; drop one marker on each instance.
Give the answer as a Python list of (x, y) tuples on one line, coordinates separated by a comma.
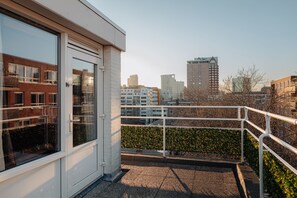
[(164, 132), (242, 133), (242, 140), (261, 175)]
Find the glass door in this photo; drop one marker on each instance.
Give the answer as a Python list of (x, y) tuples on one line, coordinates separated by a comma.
[(83, 102), (84, 145)]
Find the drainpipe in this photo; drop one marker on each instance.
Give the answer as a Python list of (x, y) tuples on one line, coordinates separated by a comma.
[(266, 134)]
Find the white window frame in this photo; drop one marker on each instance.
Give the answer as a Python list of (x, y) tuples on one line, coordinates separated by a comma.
[(37, 98), (53, 76), (19, 104), (52, 95), (13, 69)]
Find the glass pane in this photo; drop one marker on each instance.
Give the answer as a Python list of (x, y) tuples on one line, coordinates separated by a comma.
[(27, 132), (84, 127)]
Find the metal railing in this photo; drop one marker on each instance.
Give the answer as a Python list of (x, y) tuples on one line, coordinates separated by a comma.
[(266, 133)]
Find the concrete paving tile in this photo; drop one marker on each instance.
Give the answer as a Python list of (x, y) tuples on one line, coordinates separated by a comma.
[(115, 190), (137, 192), (208, 190), (132, 174), (156, 171), (149, 181), (176, 185), (208, 178), (181, 173), (171, 194), (96, 192)]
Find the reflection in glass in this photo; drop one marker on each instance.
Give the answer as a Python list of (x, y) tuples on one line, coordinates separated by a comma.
[(84, 128), (28, 118)]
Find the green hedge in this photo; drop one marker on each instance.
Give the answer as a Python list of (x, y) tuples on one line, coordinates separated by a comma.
[(279, 181), (214, 141)]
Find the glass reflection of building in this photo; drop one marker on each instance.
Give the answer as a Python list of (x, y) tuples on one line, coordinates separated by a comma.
[(29, 91), (83, 102)]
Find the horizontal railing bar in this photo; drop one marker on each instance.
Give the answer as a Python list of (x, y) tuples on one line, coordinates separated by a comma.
[(183, 127), (279, 117), (23, 118), (283, 143), (255, 126), (254, 136), (181, 118), (23, 107), (188, 107)]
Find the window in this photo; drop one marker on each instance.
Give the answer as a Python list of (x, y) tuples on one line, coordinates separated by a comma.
[(24, 73), (52, 99), (37, 99), (19, 99), (30, 132), (51, 77)]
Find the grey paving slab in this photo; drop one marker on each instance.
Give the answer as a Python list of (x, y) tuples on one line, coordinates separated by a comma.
[(169, 180), (98, 190), (155, 171), (175, 187)]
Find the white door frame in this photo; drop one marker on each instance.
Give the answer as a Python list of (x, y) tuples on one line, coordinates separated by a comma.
[(87, 55)]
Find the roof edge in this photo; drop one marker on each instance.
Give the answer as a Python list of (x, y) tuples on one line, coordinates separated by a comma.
[(96, 11)]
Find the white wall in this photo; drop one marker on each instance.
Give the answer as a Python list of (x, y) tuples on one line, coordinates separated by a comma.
[(112, 110), (41, 182)]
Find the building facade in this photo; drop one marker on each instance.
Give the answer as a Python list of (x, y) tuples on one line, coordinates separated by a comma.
[(284, 93), (203, 76), (143, 96), (132, 81), (171, 89), (241, 84), (60, 97)]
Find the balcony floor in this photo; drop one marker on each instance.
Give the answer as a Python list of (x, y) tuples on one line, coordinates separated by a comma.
[(150, 179)]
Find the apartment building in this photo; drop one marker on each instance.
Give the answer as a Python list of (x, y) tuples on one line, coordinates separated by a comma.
[(132, 81), (59, 126), (284, 93), (203, 76), (144, 96), (171, 89)]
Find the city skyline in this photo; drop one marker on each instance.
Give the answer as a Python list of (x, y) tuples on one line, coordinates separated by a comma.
[(162, 36)]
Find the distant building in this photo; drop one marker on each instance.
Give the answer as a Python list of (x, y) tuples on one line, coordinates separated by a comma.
[(133, 81), (241, 84), (203, 75), (284, 92), (170, 88), (143, 96)]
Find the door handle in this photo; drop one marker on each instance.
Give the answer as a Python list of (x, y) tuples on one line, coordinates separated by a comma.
[(71, 121), (75, 120)]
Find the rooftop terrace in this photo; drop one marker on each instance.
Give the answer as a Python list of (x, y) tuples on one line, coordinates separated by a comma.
[(194, 160)]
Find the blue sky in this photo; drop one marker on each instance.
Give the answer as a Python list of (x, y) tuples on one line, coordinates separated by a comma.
[(163, 35)]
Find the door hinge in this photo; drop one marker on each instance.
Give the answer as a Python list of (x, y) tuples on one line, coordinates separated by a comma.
[(101, 68), (103, 164), (102, 116)]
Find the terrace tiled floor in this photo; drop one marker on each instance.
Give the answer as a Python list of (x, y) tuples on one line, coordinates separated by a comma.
[(169, 180)]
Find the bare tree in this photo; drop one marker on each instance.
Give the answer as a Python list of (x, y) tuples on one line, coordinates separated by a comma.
[(242, 88)]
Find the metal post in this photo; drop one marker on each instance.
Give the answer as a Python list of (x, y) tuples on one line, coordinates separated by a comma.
[(242, 132), (164, 132), (261, 176), (242, 140)]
